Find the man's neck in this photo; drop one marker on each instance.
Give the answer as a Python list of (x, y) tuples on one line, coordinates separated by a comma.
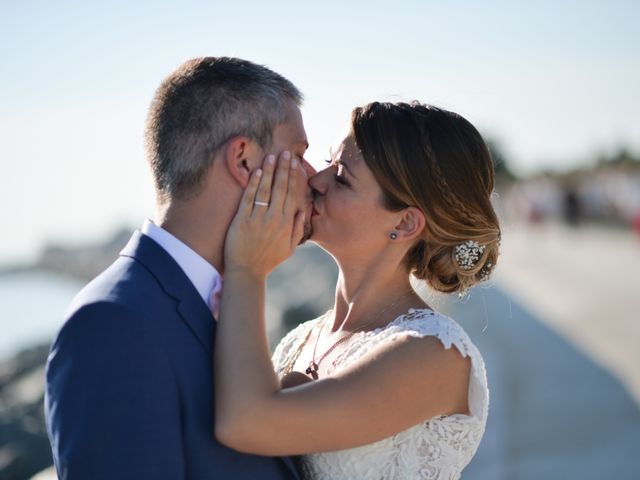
[(203, 232)]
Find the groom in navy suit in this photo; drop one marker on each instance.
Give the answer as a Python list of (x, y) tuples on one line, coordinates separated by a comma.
[(129, 391)]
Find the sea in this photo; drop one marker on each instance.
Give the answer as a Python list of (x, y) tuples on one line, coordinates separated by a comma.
[(33, 306)]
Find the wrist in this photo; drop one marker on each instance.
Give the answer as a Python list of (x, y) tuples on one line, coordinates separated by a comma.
[(244, 274)]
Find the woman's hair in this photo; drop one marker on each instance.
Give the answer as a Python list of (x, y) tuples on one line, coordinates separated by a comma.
[(435, 160)]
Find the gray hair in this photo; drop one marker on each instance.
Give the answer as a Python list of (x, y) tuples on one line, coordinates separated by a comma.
[(203, 104)]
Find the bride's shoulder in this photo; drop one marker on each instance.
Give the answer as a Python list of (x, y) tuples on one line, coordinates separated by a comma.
[(428, 323)]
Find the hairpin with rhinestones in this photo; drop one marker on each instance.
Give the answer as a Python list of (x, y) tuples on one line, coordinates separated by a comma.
[(468, 253), (485, 271)]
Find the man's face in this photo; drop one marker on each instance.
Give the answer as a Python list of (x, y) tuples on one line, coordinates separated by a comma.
[(291, 136)]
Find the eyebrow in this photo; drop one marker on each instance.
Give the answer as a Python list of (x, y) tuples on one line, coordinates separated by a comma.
[(340, 162), (347, 168)]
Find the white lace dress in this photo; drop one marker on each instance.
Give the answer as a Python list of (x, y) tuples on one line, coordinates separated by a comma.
[(438, 448)]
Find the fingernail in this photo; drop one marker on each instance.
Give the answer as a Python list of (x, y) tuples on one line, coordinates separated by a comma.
[(271, 159), (286, 155), (294, 162), (258, 172)]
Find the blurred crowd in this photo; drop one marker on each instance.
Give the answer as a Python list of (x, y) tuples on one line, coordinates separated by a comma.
[(608, 194)]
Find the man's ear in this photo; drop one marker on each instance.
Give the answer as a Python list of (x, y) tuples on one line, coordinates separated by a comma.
[(411, 224), (241, 156)]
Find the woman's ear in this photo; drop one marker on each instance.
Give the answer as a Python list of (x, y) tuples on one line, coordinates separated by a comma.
[(411, 224), (241, 156)]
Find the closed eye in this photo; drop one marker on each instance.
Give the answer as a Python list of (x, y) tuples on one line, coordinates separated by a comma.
[(340, 179)]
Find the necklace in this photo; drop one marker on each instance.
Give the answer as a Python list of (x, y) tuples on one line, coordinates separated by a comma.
[(314, 364)]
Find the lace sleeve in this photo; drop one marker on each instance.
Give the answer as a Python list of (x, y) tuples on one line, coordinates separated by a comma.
[(421, 323)]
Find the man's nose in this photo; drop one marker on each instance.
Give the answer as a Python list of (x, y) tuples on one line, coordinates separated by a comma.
[(309, 170)]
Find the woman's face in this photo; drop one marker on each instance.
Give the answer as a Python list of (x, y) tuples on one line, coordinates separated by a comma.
[(349, 216)]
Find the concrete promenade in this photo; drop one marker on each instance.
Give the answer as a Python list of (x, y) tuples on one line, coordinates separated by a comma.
[(559, 331)]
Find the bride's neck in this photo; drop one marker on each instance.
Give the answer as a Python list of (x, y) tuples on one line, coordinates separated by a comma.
[(363, 292)]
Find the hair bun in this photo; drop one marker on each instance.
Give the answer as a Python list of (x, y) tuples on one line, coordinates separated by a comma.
[(441, 268)]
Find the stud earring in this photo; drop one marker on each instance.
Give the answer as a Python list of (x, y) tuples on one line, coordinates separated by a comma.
[(393, 235)]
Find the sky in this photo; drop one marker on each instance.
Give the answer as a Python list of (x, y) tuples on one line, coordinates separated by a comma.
[(554, 84)]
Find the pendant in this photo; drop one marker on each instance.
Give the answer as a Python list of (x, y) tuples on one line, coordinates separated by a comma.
[(312, 370)]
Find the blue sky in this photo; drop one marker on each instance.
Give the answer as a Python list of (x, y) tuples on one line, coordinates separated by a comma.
[(555, 83)]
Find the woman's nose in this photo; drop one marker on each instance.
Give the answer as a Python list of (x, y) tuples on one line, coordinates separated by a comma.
[(318, 182)]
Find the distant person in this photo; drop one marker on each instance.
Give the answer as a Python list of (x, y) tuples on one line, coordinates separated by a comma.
[(536, 213), (635, 222), (372, 389), (572, 207), (129, 378)]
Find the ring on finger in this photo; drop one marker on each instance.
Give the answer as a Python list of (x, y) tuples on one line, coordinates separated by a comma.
[(261, 204)]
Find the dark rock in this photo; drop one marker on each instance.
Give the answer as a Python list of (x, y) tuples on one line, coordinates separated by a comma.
[(22, 363), (84, 262), (24, 446)]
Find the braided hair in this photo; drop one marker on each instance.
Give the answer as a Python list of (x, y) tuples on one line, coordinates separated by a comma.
[(435, 160)]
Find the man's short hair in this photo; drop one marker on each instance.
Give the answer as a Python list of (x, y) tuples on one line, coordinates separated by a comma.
[(203, 104)]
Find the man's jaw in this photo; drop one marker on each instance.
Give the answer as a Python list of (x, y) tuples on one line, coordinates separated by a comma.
[(308, 231)]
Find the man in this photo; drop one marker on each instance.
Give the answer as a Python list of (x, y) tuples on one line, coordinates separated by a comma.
[(129, 378)]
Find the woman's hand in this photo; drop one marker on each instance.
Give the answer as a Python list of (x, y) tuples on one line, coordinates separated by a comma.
[(266, 228)]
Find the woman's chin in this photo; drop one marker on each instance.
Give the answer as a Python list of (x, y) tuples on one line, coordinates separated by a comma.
[(317, 236), (319, 241)]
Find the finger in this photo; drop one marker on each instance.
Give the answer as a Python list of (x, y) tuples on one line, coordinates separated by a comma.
[(279, 189), (263, 194), (248, 197), (290, 205), (298, 229)]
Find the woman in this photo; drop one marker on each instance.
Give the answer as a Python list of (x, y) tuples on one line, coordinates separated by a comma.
[(376, 391)]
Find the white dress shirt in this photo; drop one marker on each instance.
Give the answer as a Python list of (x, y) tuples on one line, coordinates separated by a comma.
[(204, 276)]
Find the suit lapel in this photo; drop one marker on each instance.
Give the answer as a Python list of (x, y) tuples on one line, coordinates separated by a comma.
[(289, 463), (192, 310), (200, 320)]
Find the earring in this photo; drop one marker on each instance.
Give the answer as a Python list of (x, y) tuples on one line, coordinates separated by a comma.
[(393, 235)]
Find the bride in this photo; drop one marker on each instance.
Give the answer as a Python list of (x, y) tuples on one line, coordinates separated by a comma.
[(373, 388)]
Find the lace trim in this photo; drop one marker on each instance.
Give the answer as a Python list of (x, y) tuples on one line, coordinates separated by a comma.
[(417, 323), (288, 346), (436, 449)]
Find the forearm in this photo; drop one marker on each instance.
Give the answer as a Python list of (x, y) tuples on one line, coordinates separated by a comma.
[(244, 376), (263, 234)]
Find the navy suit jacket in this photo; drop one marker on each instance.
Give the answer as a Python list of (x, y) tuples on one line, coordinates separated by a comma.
[(129, 383)]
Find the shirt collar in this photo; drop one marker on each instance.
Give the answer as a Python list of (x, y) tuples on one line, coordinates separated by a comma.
[(204, 276)]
